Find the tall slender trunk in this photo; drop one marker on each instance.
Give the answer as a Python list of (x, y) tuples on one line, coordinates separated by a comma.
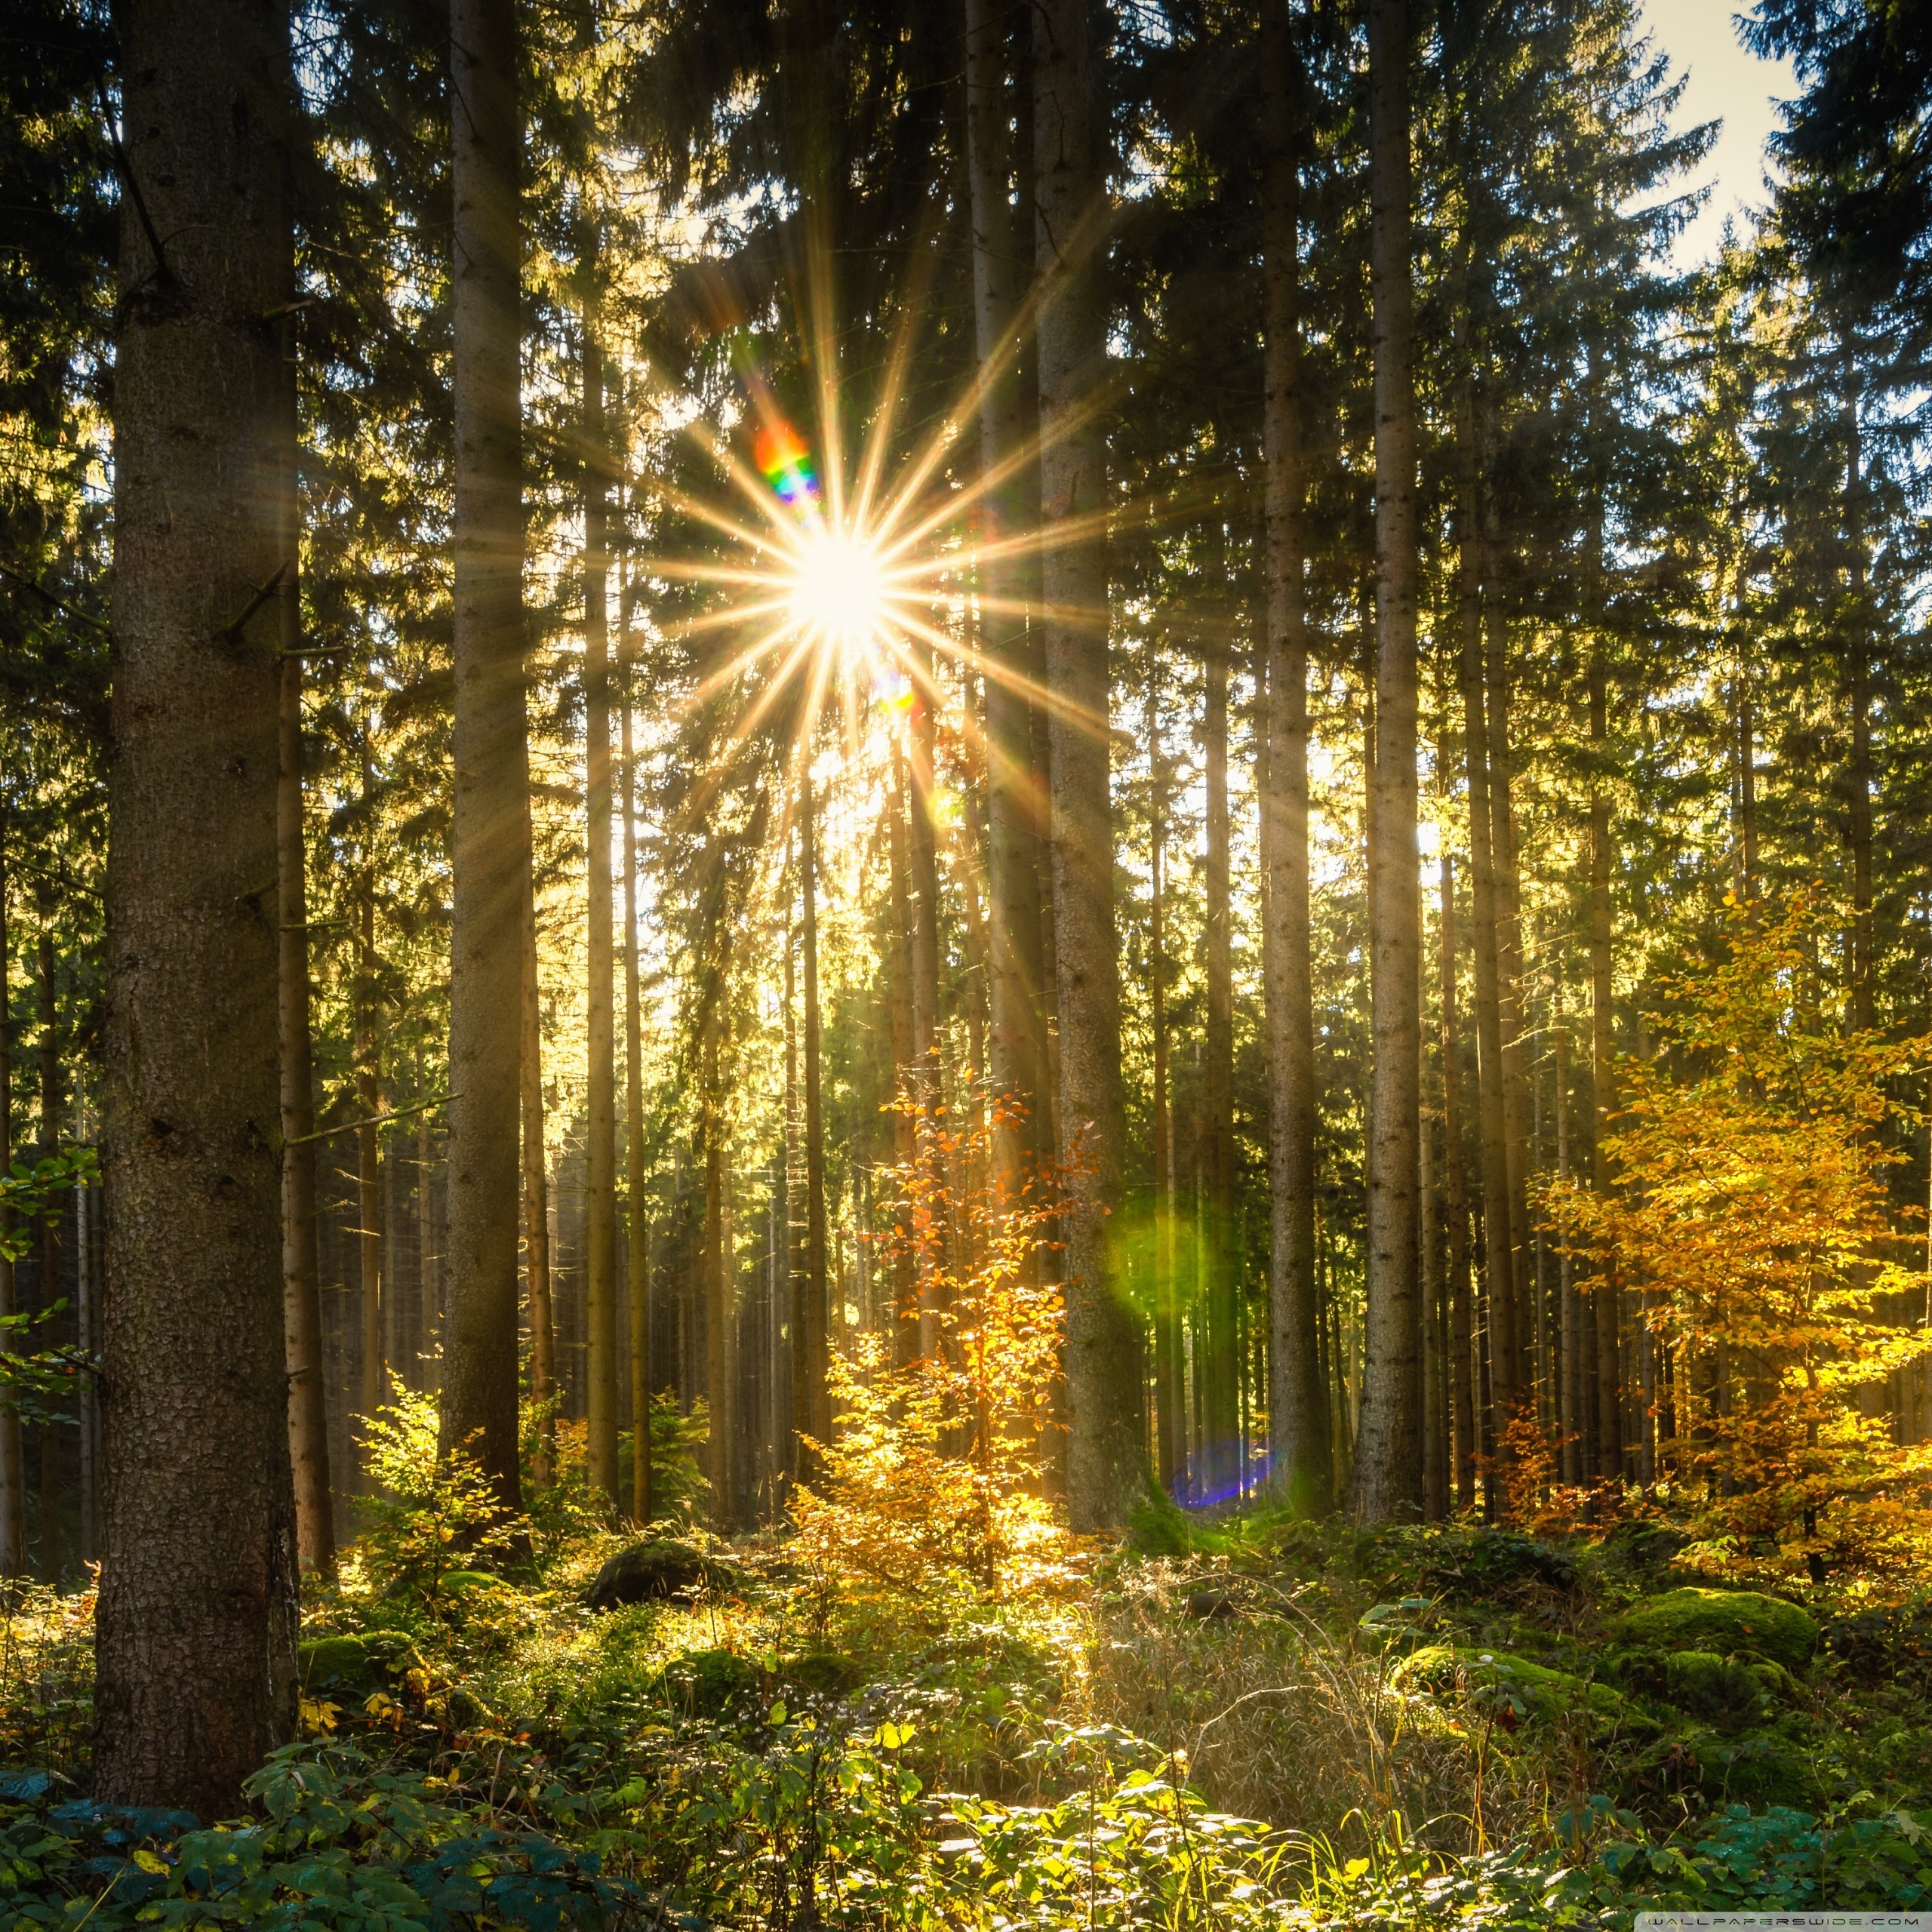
[(429, 1327), (479, 1404), (196, 1677), (301, 1263), (13, 1467), (636, 1206), (791, 1450), (1500, 1323), (719, 1280), (1298, 1405), (900, 974), (536, 1186), (368, 1154), (818, 1404), (1169, 1403), (1388, 1470), (1105, 1457), (1570, 1407), (1507, 899), (1464, 1395), (601, 1188), (1858, 678), (50, 1268), (1223, 1420), (1603, 1091)]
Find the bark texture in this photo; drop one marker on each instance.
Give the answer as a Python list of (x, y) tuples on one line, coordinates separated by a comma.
[(301, 1267), (196, 1654), (1387, 1463), (1106, 1459), (1298, 1419), (1016, 1023), (479, 1406), (600, 1193)]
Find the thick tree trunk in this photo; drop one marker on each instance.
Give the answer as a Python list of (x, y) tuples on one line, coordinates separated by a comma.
[(1017, 1043), (301, 1265), (1387, 1472), (479, 1405), (1223, 1419), (1298, 1403), (637, 1210), (535, 1173), (195, 1658), (1107, 1461), (600, 1083)]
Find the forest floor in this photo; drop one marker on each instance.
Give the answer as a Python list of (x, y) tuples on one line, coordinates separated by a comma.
[(1284, 1726)]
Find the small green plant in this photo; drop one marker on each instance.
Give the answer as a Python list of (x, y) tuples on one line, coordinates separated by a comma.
[(434, 1524)]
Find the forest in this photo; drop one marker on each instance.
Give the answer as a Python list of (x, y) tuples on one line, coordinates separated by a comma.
[(967, 964)]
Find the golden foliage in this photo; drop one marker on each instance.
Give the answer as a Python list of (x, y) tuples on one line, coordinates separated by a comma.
[(1751, 1208), (932, 1478)]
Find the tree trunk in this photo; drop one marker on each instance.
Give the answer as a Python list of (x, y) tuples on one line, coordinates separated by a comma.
[(1169, 1402), (49, 1145), (13, 1466), (1105, 1457), (601, 1190), (1298, 1404), (369, 1177), (479, 1405), (818, 1404), (1465, 1397), (637, 1211), (900, 974), (1387, 1473), (1500, 1323), (1222, 1421), (1017, 1045), (1507, 897), (196, 1660), (301, 1265), (1603, 1093), (535, 1175), (1858, 673)]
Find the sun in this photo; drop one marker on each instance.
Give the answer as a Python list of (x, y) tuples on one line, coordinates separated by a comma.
[(837, 594)]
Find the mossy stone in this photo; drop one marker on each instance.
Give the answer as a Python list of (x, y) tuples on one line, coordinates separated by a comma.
[(1524, 1689), (821, 1673), (363, 1662), (1726, 1695), (1727, 1622), (708, 1684)]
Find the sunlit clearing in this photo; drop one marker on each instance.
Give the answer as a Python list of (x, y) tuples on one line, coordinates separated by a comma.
[(838, 593)]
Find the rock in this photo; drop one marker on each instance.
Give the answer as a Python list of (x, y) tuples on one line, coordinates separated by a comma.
[(1518, 1689), (358, 1664), (1726, 1695), (1211, 1603), (1730, 1622), (657, 1571), (708, 1684)]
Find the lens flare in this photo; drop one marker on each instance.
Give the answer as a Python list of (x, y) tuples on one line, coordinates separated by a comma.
[(838, 594)]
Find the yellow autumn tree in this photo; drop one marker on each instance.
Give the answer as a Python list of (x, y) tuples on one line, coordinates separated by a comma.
[(932, 1478), (1778, 1275)]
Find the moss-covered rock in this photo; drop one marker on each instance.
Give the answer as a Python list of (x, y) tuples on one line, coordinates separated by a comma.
[(1728, 1696), (358, 1664), (659, 1570), (1522, 1690), (1728, 1623), (710, 1684)]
